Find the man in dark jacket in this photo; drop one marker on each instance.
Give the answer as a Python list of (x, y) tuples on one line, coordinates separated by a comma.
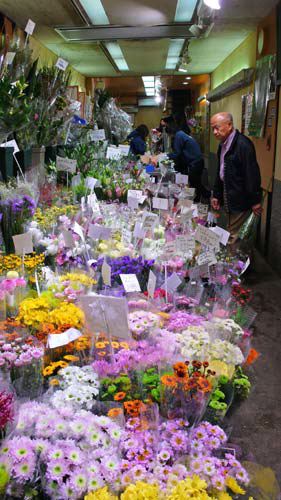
[(238, 182)]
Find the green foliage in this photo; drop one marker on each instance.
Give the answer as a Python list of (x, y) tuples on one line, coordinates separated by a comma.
[(14, 107), (241, 384)]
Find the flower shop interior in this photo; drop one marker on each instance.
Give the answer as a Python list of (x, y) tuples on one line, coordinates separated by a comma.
[(140, 249)]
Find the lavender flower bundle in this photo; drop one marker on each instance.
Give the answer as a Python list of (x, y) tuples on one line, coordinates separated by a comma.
[(15, 211)]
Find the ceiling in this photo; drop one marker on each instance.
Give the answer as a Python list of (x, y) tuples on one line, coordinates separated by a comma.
[(235, 20)]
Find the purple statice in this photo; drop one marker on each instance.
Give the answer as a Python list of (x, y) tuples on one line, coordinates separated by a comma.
[(126, 265), (6, 408)]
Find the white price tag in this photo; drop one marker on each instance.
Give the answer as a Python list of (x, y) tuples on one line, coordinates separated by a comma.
[(206, 237), (190, 192), (83, 204), (198, 271), (98, 232), (139, 231), (202, 209), (107, 314), (10, 144), (55, 340), (106, 273), (30, 27), (185, 244), (113, 153), (66, 165), (91, 182), (68, 239), (207, 258), (222, 234), (23, 243), (173, 282), (78, 230), (170, 249), (135, 193), (133, 203), (149, 221), (124, 149), (151, 284), (62, 64), (76, 180), (130, 283), (126, 236), (97, 135), (181, 179), (160, 203)]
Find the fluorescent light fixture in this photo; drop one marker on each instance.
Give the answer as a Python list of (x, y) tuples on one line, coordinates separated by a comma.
[(158, 99), (213, 4), (188, 77), (185, 9), (185, 83), (117, 55), (150, 92), (174, 51), (182, 70), (148, 79), (95, 11), (149, 85)]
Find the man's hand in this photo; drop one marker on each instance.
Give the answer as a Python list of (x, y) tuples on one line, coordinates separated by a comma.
[(215, 203), (257, 209)]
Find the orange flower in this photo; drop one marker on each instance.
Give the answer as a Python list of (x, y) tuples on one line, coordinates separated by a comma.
[(119, 396), (70, 357), (62, 364), (124, 345), (115, 345), (48, 371), (101, 353), (204, 384), (169, 380), (252, 356), (114, 412), (100, 345), (54, 381)]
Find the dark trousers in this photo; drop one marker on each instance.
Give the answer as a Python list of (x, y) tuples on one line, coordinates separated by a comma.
[(195, 171)]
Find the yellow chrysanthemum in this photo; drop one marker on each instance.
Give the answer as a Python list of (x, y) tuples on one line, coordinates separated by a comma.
[(101, 494), (141, 491), (234, 486)]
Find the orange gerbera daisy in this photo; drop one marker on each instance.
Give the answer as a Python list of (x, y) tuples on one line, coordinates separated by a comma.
[(119, 396), (100, 345), (204, 384), (54, 381), (114, 412), (49, 370), (71, 357), (169, 380)]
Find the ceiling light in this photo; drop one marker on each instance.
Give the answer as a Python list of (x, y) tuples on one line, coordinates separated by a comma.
[(188, 77), (150, 92), (95, 11), (213, 4), (117, 55), (174, 52), (158, 99), (185, 83), (183, 70), (148, 79), (184, 11)]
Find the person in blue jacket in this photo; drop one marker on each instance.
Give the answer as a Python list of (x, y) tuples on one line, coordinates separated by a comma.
[(187, 156), (137, 140)]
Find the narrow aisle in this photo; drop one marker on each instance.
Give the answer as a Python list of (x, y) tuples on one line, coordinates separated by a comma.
[(256, 424)]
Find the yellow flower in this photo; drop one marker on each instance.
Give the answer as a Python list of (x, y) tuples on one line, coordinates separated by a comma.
[(70, 357), (222, 495), (234, 486), (141, 491), (67, 314), (81, 278), (54, 381), (101, 494)]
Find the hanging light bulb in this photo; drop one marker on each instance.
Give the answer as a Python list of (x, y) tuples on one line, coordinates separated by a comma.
[(213, 4)]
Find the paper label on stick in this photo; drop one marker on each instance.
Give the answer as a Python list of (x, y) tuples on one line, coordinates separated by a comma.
[(126, 236), (222, 233), (133, 202), (10, 56), (151, 284), (62, 64), (23, 243), (139, 231), (160, 203), (181, 179), (68, 239), (10, 144), (135, 193), (98, 232), (107, 314), (185, 244), (78, 230), (207, 258), (130, 283), (198, 271), (206, 237), (170, 249), (97, 135), (106, 273), (66, 165), (113, 153), (190, 192), (30, 27), (91, 182), (149, 221), (124, 149), (246, 265), (173, 282), (76, 180), (55, 340), (202, 209)]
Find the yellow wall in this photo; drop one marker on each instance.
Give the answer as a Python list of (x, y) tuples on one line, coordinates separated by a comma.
[(242, 57), (47, 57), (149, 116)]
